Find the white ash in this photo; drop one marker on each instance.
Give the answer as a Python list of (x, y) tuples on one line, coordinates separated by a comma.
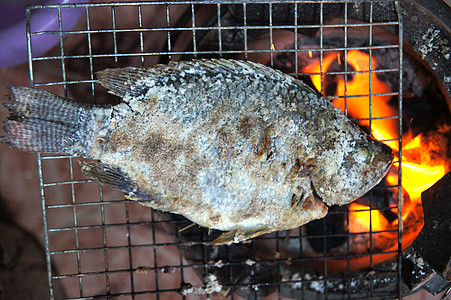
[(432, 41), (318, 286), (296, 285), (249, 262), (211, 286), (219, 263)]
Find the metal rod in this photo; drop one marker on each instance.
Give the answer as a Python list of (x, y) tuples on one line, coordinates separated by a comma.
[(173, 2), (212, 52), (39, 162), (200, 28), (400, 193), (193, 25)]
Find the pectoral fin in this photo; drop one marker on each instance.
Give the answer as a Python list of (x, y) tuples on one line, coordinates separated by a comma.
[(113, 177), (239, 235)]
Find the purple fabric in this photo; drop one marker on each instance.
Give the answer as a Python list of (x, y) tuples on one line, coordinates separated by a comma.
[(12, 29)]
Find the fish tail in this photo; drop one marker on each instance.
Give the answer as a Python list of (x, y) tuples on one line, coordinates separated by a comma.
[(39, 121)]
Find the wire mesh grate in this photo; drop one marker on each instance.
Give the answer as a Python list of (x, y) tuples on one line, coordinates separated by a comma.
[(103, 246)]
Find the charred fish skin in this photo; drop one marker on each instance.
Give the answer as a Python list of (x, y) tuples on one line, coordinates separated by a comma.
[(231, 145)]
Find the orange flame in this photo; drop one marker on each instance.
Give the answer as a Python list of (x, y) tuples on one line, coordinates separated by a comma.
[(363, 217), (360, 88), (357, 99), (418, 178)]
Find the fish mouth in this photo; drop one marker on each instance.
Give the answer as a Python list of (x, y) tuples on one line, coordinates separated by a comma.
[(315, 192), (387, 158), (386, 155), (388, 165)]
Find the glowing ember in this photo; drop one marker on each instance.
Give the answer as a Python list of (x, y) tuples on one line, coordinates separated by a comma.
[(361, 99), (360, 214)]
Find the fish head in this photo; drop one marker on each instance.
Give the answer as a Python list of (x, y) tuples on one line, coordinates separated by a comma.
[(357, 171)]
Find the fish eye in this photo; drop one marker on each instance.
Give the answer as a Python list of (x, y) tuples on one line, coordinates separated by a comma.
[(362, 153)]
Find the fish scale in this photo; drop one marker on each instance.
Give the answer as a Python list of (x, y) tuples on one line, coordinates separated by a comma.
[(231, 145)]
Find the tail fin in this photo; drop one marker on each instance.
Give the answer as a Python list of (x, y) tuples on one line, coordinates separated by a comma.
[(43, 122)]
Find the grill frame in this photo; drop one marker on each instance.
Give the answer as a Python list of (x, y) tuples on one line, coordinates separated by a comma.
[(153, 220)]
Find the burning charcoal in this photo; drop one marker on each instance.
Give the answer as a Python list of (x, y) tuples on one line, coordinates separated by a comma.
[(423, 114), (415, 111), (329, 227), (381, 197), (438, 144), (418, 273), (434, 241), (332, 227), (331, 82)]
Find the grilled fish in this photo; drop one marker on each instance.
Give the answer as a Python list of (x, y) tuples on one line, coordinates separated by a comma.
[(230, 145)]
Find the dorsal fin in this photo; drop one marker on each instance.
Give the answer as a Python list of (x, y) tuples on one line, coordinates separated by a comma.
[(121, 80), (118, 81)]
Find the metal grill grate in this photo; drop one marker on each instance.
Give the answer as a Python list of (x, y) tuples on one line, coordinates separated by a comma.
[(103, 246)]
